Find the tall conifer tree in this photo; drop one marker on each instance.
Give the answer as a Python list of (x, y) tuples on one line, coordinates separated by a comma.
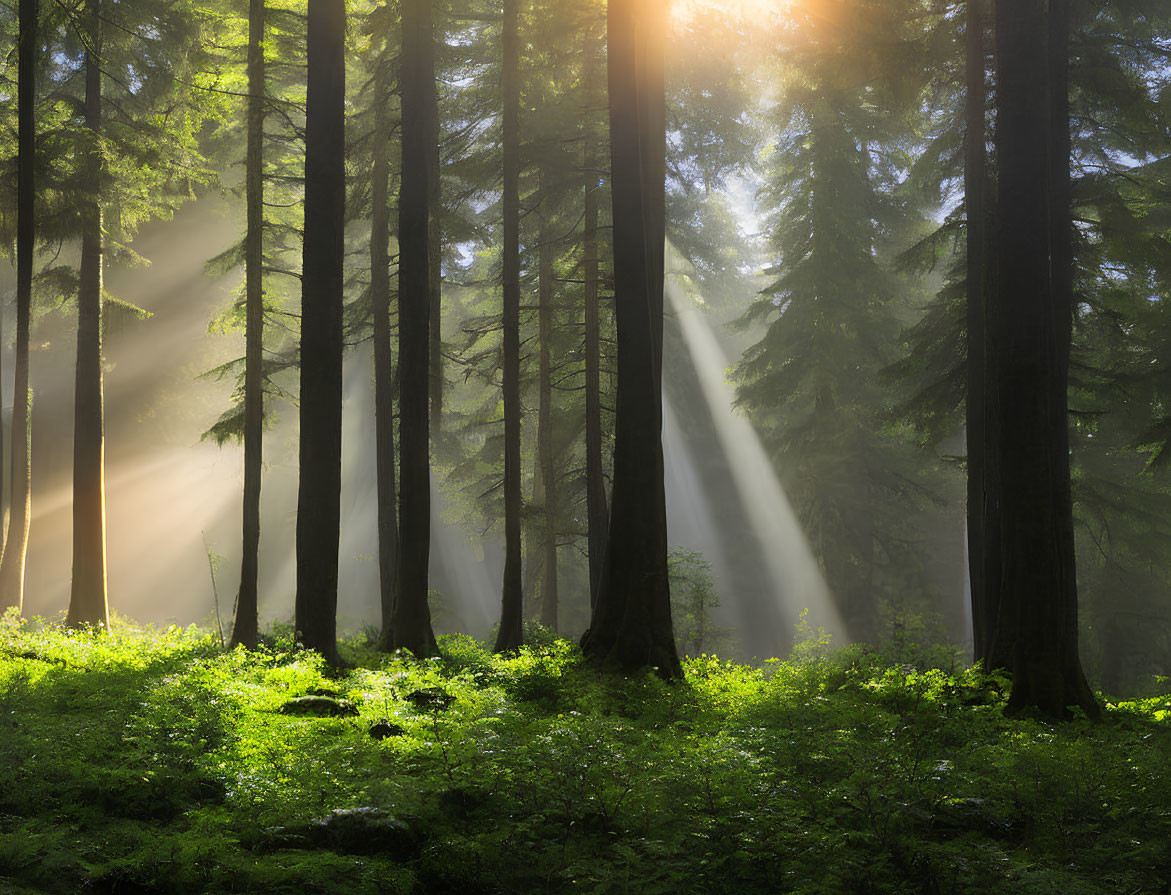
[(410, 625), (319, 494), (383, 356), (244, 630), (631, 623), (1032, 312), (88, 600), (511, 635), (15, 547)]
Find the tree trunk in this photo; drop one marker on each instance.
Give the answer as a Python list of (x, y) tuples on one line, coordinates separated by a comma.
[(244, 631), (430, 100), (87, 601), (534, 553), (975, 161), (597, 513), (510, 636), (15, 546), (990, 646), (631, 623), (998, 639), (410, 626), (383, 361), (1038, 588), (545, 454), (319, 495)]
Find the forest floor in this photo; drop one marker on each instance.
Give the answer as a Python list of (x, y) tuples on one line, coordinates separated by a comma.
[(154, 762)]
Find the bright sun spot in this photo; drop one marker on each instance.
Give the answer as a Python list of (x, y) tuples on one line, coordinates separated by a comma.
[(749, 11)]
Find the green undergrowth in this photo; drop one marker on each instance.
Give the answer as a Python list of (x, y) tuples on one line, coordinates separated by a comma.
[(153, 762)]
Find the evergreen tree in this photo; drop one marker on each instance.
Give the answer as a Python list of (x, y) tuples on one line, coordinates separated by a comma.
[(88, 603), (812, 382), (380, 298), (15, 545), (631, 623), (1032, 318), (511, 634), (319, 496), (259, 59), (244, 630), (410, 625)]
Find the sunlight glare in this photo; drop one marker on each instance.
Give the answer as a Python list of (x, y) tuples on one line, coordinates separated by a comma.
[(792, 568), (752, 12)]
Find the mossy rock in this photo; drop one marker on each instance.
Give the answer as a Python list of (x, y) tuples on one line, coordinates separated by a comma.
[(319, 707), (349, 831)]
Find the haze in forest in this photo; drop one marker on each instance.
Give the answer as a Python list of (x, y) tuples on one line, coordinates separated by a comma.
[(891, 274)]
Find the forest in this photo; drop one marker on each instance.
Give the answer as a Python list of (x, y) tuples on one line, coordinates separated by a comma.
[(631, 446)]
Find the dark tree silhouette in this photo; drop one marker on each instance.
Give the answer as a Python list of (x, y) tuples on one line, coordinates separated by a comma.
[(1032, 313), (383, 359), (87, 600), (15, 546), (510, 635), (631, 623), (410, 625), (546, 296), (597, 513), (244, 630), (319, 495), (983, 506)]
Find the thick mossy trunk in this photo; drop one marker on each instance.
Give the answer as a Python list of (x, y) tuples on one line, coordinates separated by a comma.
[(319, 495), (87, 600), (631, 624), (510, 635), (244, 631), (1038, 594), (410, 625)]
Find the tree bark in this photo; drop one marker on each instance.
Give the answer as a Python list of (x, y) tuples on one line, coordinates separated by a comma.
[(244, 631), (1038, 587), (88, 603), (15, 547), (510, 635), (990, 646), (410, 626), (597, 512), (430, 108), (545, 453), (631, 624), (383, 360), (319, 495)]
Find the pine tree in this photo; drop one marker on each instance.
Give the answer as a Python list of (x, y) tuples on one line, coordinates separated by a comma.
[(88, 604), (811, 383), (1032, 313), (380, 299), (410, 625), (631, 623), (319, 495), (511, 633), (15, 545), (244, 630)]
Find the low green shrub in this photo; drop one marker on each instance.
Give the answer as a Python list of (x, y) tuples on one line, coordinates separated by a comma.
[(153, 761)]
